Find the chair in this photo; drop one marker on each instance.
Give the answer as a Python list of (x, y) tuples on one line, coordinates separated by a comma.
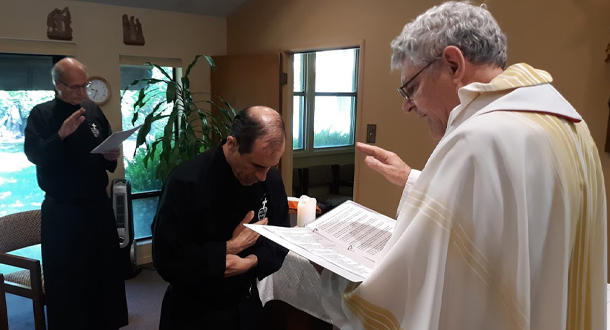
[(17, 231), (324, 183), (297, 179), (346, 179)]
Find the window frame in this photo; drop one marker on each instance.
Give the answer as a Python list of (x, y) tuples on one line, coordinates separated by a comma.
[(176, 66), (309, 94)]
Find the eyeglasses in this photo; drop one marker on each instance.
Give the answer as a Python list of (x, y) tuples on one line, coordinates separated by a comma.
[(75, 88), (408, 93)]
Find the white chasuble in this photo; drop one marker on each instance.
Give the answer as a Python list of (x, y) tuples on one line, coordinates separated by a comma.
[(505, 228)]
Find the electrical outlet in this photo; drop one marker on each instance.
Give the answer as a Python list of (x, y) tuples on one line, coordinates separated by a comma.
[(371, 133)]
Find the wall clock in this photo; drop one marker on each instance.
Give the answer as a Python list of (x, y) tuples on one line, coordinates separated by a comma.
[(98, 90)]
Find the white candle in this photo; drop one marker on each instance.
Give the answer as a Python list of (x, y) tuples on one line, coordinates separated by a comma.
[(306, 210)]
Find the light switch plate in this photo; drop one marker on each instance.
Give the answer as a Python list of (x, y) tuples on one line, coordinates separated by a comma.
[(371, 133)]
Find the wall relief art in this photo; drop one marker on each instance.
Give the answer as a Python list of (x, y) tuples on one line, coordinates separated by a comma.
[(132, 31), (58, 24)]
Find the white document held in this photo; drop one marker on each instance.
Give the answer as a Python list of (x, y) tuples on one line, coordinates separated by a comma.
[(346, 240), (114, 140)]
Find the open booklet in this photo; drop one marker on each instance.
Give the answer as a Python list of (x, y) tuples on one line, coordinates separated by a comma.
[(346, 240), (114, 140)]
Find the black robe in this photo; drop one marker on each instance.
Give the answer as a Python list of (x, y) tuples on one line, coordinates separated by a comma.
[(201, 204), (84, 285)]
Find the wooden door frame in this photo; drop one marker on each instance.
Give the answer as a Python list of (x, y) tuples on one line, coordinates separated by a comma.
[(287, 92)]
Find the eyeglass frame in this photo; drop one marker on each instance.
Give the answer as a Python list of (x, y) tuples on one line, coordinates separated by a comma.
[(403, 92), (75, 88)]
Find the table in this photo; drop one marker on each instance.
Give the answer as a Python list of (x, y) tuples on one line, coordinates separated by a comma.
[(297, 283)]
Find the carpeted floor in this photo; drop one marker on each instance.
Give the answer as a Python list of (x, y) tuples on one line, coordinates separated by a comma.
[(144, 296)]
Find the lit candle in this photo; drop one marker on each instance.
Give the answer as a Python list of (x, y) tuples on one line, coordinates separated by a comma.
[(306, 211)]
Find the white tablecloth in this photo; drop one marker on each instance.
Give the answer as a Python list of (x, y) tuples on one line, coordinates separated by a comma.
[(297, 283)]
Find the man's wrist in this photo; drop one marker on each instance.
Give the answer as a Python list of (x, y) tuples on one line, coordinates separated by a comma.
[(231, 248), (405, 178)]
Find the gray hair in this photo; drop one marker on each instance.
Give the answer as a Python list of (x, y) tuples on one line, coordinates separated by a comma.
[(470, 28), (57, 74)]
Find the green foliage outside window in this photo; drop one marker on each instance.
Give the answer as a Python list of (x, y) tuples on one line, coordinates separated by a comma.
[(326, 138), (18, 186), (143, 179), (15, 107), (335, 138)]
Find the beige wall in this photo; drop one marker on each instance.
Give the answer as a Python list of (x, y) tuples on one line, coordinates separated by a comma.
[(98, 40), (565, 37)]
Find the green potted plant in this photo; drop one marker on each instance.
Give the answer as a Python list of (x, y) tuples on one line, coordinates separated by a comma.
[(193, 125)]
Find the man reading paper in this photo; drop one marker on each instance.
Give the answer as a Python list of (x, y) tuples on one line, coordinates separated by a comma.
[(84, 287), (505, 227)]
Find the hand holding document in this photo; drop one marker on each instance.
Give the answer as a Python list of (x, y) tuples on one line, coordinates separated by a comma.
[(347, 240), (114, 140)]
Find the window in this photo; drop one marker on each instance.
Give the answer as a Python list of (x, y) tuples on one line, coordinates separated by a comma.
[(145, 187), (25, 81), (324, 101)]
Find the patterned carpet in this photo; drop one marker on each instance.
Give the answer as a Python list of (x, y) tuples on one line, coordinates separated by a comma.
[(144, 296)]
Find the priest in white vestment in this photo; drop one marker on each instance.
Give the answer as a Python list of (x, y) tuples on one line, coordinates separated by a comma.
[(505, 227)]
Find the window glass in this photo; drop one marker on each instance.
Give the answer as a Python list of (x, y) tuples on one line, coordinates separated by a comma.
[(298, 73), (333, 121), (144, 211), (25, 81), (335, 71), (297, 122), (142, 178)]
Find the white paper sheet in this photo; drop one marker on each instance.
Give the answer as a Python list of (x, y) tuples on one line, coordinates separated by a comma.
[(345, 240), (114, 140)]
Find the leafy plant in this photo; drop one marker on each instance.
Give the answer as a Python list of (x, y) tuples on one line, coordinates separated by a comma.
[(141, 178), (190, 128)]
